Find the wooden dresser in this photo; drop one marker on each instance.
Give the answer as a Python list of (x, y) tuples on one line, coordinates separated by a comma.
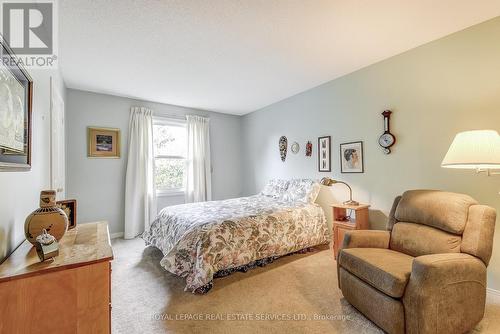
[(68, 294)]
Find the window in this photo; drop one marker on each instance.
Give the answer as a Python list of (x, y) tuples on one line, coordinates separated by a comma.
[(170, 146)]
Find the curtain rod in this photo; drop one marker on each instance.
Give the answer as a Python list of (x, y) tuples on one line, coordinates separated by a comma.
[(180, 117), (174, 116)]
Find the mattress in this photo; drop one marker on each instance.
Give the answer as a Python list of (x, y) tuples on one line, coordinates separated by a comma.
[(200, 239)]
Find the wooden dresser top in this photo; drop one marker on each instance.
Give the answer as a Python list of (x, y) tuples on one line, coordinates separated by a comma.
[(85, 244)]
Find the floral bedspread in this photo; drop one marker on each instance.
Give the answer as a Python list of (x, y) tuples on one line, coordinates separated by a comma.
[(200, 239)]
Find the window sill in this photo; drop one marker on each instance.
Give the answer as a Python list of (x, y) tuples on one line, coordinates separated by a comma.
[(171, 193)]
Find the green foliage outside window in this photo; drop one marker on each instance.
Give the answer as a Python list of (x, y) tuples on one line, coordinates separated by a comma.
[(170, 146)]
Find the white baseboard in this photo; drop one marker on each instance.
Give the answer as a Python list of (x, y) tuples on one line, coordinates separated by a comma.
[(116, 235), (493, 294)]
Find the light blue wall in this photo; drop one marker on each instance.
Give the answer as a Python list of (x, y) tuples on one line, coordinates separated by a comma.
[(435, 91), (99, 184), (21, 190)]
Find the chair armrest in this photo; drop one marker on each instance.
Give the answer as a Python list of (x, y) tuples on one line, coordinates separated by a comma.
[(366, 239), (443, 268), (446, 293)]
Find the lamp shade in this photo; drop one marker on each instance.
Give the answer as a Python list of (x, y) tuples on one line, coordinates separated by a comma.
[(479, 149)]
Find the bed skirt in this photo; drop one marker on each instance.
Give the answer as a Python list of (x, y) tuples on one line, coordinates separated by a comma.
[(244, 268)]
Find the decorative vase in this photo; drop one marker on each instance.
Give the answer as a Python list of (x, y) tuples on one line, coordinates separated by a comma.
[(48, 217)]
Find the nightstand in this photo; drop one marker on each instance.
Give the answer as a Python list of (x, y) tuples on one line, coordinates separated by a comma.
[(346, 218)]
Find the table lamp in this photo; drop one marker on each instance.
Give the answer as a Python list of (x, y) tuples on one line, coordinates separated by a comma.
[(478, 149), (326, 181)]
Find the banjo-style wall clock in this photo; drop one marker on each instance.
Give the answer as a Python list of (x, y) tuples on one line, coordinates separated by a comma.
[(387, 139)]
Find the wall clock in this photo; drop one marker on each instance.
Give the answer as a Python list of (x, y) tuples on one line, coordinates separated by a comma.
[(387, 139)]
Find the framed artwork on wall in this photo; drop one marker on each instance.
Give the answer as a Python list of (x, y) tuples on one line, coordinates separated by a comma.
[(351, 157), (16, 95), (324, 154), (69, 208), (103, 142)]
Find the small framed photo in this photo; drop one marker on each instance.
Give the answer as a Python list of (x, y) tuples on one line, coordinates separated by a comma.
[(103, 142), (69, 208), (324, 154), (351, 157)]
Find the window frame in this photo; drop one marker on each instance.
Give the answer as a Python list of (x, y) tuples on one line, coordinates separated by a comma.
[(166, 121)]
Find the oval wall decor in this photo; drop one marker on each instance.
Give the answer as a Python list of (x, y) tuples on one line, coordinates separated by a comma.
[(283, 147)]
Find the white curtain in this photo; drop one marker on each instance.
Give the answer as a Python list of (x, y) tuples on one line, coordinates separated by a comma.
[(140, 197), (198, 171)]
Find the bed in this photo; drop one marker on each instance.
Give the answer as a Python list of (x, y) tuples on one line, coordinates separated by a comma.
[(207, 239)]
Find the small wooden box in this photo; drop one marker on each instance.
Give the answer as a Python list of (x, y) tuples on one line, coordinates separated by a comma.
[(342, 222)]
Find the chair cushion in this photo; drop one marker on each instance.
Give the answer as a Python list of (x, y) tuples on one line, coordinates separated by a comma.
[(417, 240), (440, 209), (384, 269)]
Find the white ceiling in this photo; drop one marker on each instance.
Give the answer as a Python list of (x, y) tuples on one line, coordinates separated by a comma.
[(237, 56)]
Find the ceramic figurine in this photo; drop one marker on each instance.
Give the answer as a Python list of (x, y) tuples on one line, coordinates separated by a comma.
[(46, 246)]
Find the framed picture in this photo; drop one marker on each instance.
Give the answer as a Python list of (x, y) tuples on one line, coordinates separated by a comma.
[(351, 157), (69, 207), (103, 142), (324, 154), (16, 95)]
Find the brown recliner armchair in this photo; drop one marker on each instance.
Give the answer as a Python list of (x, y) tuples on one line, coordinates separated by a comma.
[(427, 273)]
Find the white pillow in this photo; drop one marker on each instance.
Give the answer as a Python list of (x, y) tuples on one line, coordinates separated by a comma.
[(275, 188), (302, 190)]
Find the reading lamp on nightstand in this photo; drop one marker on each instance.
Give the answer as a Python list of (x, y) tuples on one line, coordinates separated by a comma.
[(478, 149), (326, 181), (343, 222)]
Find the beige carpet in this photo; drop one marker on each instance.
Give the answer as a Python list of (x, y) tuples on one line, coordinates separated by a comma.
[(295, 294)]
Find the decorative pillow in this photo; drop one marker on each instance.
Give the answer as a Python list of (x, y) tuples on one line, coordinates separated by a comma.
[(302, 190), (275, 188)]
